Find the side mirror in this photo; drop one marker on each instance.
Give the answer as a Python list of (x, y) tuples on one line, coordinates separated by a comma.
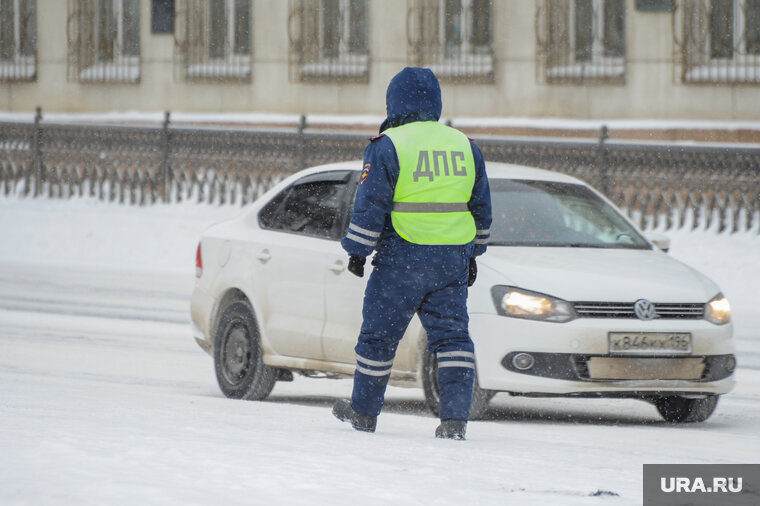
[(659, 240)]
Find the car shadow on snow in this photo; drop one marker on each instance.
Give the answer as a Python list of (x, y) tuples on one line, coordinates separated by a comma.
[(510, 409), (580, 411), (580, 415), (406, 407), (504, 408)]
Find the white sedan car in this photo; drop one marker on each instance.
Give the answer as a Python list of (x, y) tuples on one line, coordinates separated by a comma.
[(570, 300)]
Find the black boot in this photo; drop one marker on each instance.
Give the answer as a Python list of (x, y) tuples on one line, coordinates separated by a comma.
[(451, 429), (345, 413)]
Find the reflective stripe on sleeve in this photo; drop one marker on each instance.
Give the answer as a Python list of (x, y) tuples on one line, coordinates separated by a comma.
[(363, 231), (360, 240), (482, 236)]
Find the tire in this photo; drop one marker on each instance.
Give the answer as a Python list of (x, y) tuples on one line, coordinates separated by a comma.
[(679, 409), (480, 397), (240, 370)]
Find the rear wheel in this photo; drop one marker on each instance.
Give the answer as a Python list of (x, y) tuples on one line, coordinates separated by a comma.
[(680, 409), (480, 397), (240, 370)]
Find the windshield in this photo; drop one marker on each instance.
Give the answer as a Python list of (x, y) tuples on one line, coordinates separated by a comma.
[(546, 213)]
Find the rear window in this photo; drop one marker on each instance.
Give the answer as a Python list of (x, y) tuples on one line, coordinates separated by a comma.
[(315, 205)]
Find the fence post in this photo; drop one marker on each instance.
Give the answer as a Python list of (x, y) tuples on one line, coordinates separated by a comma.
[(302, 143), (601, 161), (165, 169), (37, 166)]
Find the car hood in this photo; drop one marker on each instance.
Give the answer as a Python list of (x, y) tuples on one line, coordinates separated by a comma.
[(587, 274)]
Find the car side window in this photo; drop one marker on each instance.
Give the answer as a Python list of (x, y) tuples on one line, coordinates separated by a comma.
[(353, 186), (314, 206)]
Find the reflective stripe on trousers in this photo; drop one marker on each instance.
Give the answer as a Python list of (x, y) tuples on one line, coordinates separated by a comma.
[(373, 367), (464, 359)]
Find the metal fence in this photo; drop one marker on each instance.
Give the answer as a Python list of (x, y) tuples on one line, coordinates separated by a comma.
[(666, 186)]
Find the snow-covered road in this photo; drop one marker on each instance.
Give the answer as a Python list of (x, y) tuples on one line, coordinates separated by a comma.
[(84, 291), (120, 411), (106, 399)]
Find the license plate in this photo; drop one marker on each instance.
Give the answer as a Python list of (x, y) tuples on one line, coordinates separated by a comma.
[(640, 343)]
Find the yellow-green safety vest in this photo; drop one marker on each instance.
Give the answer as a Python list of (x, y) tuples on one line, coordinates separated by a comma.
[(436, 176)]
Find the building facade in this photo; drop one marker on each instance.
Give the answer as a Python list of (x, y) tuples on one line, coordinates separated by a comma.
[(584, 59)]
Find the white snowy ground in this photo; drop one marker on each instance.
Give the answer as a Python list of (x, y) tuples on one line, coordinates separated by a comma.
[(106, 399)]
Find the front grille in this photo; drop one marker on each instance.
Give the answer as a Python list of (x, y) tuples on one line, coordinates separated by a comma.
[(644, 368), (669, 311), (606, 368)]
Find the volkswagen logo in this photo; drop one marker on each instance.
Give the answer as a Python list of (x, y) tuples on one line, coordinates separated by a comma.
[(644, 310)]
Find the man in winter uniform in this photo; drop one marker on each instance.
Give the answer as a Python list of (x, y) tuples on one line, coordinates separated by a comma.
[(424, 205)]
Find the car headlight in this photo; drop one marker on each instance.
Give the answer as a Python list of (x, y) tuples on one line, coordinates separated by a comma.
[(519, 303), (718, 310)]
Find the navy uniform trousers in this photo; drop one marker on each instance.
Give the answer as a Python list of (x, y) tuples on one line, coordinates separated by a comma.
[(432, 282)]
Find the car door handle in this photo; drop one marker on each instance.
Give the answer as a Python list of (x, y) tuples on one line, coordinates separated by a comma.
[(264, 256), (337, 267)]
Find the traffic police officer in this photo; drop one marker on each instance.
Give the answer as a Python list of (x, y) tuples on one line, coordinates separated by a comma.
[(423, 204)]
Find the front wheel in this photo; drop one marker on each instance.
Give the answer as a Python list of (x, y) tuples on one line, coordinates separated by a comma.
[(240, 370), (480, 397), (679, 409)]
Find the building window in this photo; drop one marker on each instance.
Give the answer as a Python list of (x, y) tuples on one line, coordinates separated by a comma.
[(328, 40), (654, 5), (581, 41), (18, 40), (454, 38), (162, 16), (104, 41), (214, 40), (718, 41)]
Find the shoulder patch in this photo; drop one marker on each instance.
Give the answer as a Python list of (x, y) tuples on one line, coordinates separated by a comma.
[(373, 139), (365, 173)]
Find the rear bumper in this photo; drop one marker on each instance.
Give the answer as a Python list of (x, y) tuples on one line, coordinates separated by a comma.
[(200, 318), (201, 339)]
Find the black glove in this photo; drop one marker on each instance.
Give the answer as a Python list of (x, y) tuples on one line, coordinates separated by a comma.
[(473, 272), (356, 265)]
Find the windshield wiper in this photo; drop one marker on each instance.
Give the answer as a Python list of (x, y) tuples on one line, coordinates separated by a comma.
[(585, 245), (503, 243), (528, 244), (549, 244)]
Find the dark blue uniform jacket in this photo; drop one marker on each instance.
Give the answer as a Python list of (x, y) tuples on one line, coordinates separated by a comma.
[(412, 96)]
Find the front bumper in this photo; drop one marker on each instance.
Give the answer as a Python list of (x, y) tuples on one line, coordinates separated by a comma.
[(572, 359)]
